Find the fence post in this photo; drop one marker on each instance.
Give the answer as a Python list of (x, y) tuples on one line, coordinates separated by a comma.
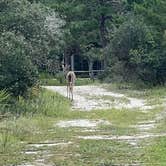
[(72, 62)]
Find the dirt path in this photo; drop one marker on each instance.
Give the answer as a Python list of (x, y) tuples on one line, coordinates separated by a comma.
[(88, 98)]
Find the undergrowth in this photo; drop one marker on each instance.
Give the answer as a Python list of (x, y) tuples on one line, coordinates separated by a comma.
[(25, 119)]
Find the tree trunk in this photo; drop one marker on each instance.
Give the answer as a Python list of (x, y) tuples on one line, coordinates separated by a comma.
[(72, 62), (103, 33), (103, 39), (91, 75)]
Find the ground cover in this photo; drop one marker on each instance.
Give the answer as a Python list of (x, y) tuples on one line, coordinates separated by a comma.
[(59, 134)]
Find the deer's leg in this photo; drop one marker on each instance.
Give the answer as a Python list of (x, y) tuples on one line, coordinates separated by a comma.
[(67, 91), (72, 92), (72, 96)]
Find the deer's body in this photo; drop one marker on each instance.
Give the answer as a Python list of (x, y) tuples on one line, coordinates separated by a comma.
[(70, 78)]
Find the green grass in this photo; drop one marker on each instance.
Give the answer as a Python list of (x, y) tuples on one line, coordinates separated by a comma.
[(32, 126), (155, 153), (132, 91), (10, 146), (92, 153), (44, 75), (56, 82), (155, 96), (59, 80), (43, 111)]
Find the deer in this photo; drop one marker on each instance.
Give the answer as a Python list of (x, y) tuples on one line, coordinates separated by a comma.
[(70, 80)]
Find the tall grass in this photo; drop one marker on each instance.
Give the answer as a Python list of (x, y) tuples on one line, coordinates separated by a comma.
[(4, 99), (30, 118), (51, 104), (6, 141), (38, 102)]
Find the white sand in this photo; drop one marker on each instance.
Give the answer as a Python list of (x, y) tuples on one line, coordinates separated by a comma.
[(84, 98)]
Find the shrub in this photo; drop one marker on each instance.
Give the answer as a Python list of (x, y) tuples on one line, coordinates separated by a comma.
[(17, 73), (4, 100), (133, 53)]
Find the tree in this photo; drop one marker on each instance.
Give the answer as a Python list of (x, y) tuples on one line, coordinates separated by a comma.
[(154, 14), (38, 24), (87, 21), (17, 73), (92, 53), (133, 52)]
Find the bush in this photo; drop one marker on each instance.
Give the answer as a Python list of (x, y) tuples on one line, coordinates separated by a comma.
[(61, 77), (17, 73), (133, 54)]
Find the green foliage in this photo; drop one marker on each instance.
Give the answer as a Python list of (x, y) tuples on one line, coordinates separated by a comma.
[(137, 46), (134, 56), (17, 73), (17, 135), (154, 14), (30, 35), (155, 153), (44, 103), (86, 25), (90, 27), (4, 97), (4, 101), (40, 27)]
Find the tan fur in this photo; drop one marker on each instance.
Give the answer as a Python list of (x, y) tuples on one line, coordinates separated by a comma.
[(70, 84)]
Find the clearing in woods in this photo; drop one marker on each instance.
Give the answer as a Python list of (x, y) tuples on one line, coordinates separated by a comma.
[(105, 127)]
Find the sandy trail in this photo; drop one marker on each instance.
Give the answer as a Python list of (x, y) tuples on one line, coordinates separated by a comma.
[(87, 98), (92, 97)]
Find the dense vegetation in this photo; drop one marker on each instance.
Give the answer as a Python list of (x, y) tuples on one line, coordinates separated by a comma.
[(30, 34), (128, 36)]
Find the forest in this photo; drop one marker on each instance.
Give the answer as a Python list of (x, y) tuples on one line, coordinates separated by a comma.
[(124, 40), (128, 37)]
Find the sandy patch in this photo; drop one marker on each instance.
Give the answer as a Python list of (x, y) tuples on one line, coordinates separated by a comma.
[(84, 98), (85, 123), (47, 144), (145, 126), (134, 137), (31, 152)]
